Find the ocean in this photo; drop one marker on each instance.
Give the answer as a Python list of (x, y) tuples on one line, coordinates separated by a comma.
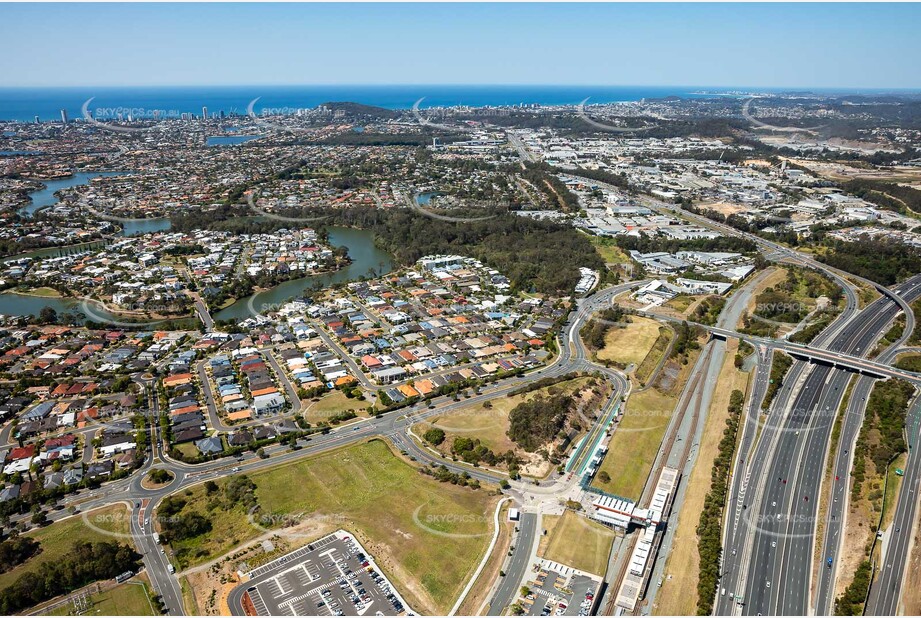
[(23, 104)]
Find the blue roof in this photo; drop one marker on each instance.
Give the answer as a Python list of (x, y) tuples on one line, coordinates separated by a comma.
[(39, 411)]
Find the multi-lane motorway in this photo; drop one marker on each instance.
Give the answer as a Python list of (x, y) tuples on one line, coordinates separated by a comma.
[(768, 560), (892, 569)]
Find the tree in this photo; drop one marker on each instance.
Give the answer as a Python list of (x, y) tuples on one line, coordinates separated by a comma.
[(434, 436), (160, 475), (16, 550), (604, 477), (47, 315), (39, 518)]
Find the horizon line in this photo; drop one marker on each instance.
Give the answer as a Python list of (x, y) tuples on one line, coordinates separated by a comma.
[(463, 85)]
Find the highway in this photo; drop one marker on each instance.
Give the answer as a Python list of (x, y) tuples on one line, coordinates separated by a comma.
[(886, 589), (849, 360), (838, 492), (769, 561)]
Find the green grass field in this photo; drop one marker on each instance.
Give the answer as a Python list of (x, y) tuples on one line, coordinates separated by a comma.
[(230, 528), (330, 404), (681, 302), (45, 292), (188, 449), (635, 443), (632, 343), (57, 538), (128, 599), (391, 503), (578, 542), (428, 535)]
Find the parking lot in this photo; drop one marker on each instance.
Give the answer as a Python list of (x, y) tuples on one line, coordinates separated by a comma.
[(553, 594), (333, 576)]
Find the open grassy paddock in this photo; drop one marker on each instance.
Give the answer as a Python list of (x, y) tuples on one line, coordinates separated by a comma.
[(128, 599), (632, 343), (635, 443), (330, 404), (578, 542), (429, 536), (56, 539), (609, 251)]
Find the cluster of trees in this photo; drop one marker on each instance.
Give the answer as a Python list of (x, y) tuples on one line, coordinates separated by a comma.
[(709, 543), (239, 490), (177, 524), (160, 475), (364, 138), (649, 244), (708, 311), (756, 327), (777, 305), (894, 333), (889, 195), (883, 260), (812, 331), (882, 434), (536, 256), (340, 417), (180, 523), (779, 367), (850, 603), (83, 564), (534, 423), (781, 304), (685, 339), (543, 383), (472, 451), (434, 436), (443, 475), (617, 180), (16, 550), (812, 283), (594, 333), (543, 176), (177, 250), (744, 350)]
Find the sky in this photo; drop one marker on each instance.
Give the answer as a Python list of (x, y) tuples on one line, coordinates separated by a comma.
[(726, 45)]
